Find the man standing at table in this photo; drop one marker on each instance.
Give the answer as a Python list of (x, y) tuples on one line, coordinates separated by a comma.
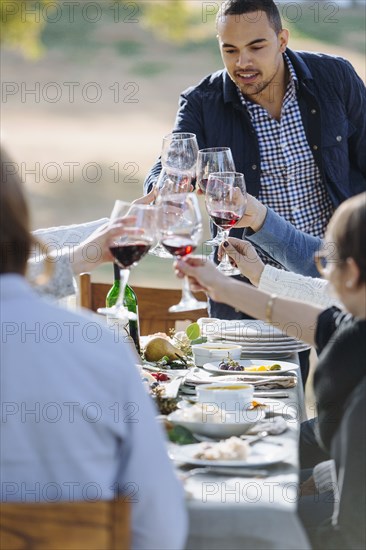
[(295, 121)]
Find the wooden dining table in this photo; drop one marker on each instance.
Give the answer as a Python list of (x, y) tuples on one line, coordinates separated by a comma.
[(247, 511)]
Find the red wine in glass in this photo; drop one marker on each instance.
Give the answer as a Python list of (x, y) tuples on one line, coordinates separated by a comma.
[(127, 254), (225, 218), (179, 246)]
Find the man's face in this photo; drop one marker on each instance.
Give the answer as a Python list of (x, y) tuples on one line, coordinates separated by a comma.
[(252, 51)]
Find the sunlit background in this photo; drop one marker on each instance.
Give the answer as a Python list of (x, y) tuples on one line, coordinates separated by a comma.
[(89, 89)]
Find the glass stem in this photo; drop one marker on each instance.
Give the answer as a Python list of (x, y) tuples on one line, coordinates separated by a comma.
[(186, 291), (225, 260), (124, 274)]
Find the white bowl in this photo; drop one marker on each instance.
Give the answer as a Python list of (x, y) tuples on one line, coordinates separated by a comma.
[(205, 353), (229, 396), (231, 425)]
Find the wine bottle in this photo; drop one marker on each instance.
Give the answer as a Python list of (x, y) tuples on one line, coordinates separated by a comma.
[(129, 301)]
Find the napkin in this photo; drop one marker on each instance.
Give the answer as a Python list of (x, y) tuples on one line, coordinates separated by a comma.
[(275, 383)]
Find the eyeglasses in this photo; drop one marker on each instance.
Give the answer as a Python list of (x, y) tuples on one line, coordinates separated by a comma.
[(325, 258)]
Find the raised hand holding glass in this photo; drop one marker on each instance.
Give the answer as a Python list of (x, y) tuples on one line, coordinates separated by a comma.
[(131, 246)]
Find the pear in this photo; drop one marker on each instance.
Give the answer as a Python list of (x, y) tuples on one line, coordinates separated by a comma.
[(158, 347)]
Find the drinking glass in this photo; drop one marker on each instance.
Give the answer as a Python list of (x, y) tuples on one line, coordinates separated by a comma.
[(179, 153), (226, 201), (180, 228), (167, 184), (131, 246), (213, 159)]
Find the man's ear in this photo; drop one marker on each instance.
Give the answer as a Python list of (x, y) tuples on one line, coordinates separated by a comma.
[(283, 37)]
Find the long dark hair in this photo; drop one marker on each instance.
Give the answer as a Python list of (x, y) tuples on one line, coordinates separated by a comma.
[(16, 240)]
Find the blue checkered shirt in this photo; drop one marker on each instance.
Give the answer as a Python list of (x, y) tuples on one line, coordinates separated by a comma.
[(291, 182)]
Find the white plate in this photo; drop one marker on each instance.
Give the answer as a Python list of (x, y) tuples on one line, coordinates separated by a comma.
[(246, 420), (285, 367), (259, 455), (251, 327)]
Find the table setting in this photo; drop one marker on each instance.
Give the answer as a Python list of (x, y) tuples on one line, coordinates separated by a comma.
[(226, 392), (236, 457)]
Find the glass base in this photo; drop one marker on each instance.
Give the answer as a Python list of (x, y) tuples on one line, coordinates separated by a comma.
[(228, 270), (216, 241), (188, 305)]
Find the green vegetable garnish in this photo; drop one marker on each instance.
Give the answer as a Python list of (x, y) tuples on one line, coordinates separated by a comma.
[(275, 367), (181, 436)]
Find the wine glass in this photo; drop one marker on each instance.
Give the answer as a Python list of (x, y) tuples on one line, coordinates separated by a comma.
[(180, 227), (179, 153), (226, 201), (131, 246), (178, 158), (170, 183), (213, 159)]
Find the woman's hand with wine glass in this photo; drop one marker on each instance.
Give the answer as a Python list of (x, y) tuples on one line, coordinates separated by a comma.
[(202, 275), (243, 255), (226, 201), (128, 249)]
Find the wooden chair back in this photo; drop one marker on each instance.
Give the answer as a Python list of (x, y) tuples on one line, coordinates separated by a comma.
[(101, 525), (153, 304)]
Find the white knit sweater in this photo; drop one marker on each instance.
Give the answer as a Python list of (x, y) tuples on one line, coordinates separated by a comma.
[(61, 241), (292, 285)]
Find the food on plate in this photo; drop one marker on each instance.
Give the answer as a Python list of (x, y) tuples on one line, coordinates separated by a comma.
[(257, 405), (159, 347), (166, 405), (229, 364), (179, 435), (265, 368), (203, 412), (233, 448), (160, 376)]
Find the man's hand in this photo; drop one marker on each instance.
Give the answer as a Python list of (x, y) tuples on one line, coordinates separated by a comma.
[(254, 215)]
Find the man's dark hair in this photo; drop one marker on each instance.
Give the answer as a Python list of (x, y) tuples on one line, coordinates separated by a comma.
[(241, 7)]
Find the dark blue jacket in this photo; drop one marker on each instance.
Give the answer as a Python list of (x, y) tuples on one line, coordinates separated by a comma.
[(332, 100)]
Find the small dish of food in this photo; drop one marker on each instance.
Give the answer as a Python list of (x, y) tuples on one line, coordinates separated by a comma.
[(203, 353), (230, 396)]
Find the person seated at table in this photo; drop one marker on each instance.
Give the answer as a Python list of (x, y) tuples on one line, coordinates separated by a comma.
[(340, 336), (77, 423), (73, 249)]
